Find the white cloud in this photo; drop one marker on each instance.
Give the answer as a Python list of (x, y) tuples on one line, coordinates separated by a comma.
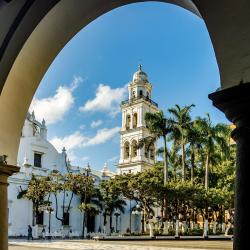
[(54, 108), (106, 99), (77, 140), (102, 136), (95, 124), (70, 142)]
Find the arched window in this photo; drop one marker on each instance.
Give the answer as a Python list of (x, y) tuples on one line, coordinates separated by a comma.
[(128, 121), (141, 93), (126, 150), (146, 151), (134, 120), (152, 152), (133, 94), (134, 148)]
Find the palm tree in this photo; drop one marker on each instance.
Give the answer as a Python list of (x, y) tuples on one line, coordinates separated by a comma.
[(194, 139), (159, 127), (181, 122), (213, 137)]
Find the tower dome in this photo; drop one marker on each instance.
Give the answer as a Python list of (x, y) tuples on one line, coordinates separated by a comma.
[(140, 75)]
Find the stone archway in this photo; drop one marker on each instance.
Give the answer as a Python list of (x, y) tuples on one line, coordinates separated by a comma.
[(32, 33)]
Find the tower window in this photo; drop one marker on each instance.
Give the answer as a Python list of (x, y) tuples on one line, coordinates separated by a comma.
[(134, 120), (126, 150), (128, 121), (141, 93), (38, 160), (134, 149), (146, 151), (152, 152)]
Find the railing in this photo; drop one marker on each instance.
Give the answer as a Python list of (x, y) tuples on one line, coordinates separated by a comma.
[(138, 98)]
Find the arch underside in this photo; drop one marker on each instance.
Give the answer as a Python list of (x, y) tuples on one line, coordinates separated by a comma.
[(35, 31)]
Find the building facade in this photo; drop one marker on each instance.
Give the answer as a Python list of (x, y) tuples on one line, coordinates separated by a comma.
[(39, 157)]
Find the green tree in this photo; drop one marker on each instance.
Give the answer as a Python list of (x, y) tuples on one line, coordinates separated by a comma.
[(212, 138), (38, 191), (180, 122), (159, 127), (62, 185), (90, 200), (112, 199)]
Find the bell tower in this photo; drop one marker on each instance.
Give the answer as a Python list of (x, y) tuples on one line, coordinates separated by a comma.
[(132, 158)]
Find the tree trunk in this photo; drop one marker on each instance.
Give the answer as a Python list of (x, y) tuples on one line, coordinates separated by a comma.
[(165, 160), (177, 228), (207, 172), (110, 223), (183, 160), (192, 167), (83, 226), (165, 174)]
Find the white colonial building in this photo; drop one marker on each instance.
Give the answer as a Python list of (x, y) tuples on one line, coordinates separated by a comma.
[(38, 156)]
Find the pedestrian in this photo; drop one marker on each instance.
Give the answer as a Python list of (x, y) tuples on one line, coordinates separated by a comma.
[(30, 232), (43, 233)]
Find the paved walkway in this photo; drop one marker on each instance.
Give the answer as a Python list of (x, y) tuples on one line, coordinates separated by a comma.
[(134, 245)]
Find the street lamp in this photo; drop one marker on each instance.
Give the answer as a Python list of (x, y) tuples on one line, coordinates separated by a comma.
[(84, 231)]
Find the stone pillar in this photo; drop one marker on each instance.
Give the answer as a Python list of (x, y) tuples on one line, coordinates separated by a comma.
[(5, 172), (235, 103)]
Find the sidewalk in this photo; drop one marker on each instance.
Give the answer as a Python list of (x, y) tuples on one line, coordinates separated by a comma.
[(143, 238)]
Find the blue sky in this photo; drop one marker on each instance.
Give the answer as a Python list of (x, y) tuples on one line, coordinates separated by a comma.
[(79, 95)]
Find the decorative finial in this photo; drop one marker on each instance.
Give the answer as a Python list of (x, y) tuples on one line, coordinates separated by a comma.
[(33, 115), (140, 67), (43, 123)]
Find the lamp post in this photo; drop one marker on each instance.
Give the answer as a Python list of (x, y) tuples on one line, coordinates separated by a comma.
[(130, 216), (49, 210), (87, 170)]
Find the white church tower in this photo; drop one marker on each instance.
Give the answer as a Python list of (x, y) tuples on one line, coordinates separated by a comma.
[(132, 159)]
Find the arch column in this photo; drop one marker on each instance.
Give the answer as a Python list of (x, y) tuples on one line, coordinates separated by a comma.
[(5, 172), (235, 103)]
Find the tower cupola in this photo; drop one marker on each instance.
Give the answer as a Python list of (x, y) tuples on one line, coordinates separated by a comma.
[(140, 76), (140, 86)]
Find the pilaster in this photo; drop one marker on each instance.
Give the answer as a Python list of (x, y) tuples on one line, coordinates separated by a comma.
[(5, 171), (235, 103)]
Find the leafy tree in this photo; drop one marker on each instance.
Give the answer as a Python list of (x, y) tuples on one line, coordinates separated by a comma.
[(62, 184), (37, 191), (112, 200)]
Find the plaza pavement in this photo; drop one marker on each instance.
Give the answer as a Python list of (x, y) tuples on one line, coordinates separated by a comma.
[(128, 245)]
